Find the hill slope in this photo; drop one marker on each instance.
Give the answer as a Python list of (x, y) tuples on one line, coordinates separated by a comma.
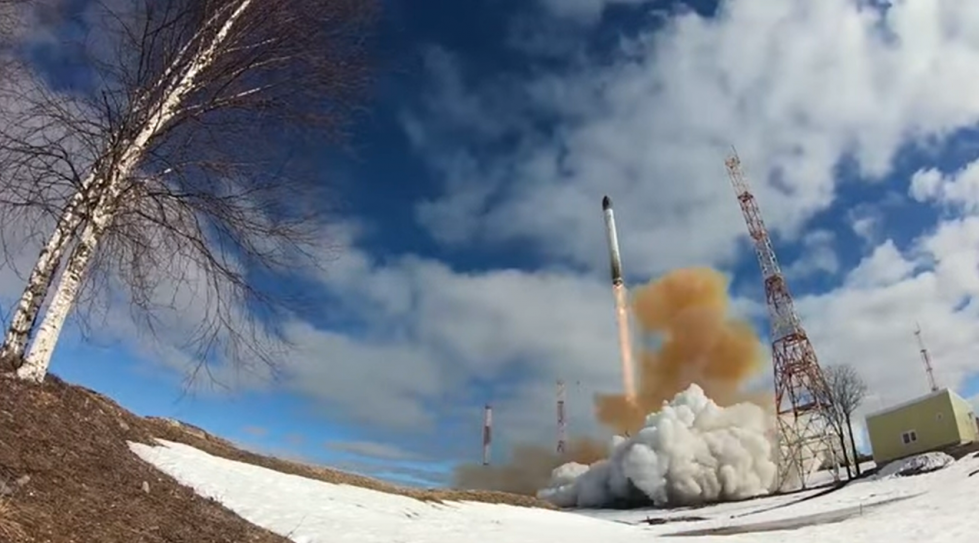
[(68, 475)]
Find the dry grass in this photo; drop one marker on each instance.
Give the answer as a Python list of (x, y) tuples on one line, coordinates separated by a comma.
[(76, 480), (10, 528)]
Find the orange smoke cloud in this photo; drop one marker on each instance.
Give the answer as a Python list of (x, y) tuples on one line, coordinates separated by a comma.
[(529, 469), (699, 342), (687, 310)]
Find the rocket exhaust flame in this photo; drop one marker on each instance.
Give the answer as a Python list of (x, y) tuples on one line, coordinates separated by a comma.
[(625, 343), (621, 303)]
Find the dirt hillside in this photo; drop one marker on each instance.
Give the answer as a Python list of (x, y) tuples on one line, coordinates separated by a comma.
[(67, 475)]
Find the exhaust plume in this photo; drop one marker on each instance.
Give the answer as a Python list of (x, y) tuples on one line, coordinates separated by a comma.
[(689, 452), (687, 311), (698, 343)]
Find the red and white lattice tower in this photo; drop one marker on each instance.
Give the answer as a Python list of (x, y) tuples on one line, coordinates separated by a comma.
[(801, 395), (562, 422), (487, 433)]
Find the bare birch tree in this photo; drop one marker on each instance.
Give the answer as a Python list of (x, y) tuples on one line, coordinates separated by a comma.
[(848, 391), (189, 127)]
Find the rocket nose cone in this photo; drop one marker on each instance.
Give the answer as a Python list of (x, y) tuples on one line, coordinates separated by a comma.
[(606, 203)]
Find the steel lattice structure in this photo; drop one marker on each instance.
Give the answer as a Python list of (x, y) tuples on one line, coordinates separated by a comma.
[(802, 400)]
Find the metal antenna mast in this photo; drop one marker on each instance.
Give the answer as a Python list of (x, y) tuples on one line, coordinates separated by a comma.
[(925, 358), (487, 433), (562, 423)]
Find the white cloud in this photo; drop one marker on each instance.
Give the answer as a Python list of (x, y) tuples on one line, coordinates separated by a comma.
[(959, 190), (371, 449), (795, 85), (884, 266), (869, 322), (818, 256)]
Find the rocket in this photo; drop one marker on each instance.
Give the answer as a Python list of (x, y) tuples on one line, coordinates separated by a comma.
[(621, 310), (613, 241)]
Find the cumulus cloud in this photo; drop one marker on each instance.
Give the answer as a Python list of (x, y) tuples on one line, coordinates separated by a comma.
[(818, 256), (372, 449), (870, 320), (959, 189), (795, 85)]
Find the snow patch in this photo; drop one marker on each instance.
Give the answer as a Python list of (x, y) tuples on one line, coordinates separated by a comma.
[(310, 511), (690, 452), (921, 463), (307, 511)]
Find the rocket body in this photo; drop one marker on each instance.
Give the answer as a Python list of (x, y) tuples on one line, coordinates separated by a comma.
[(621, 304), (613, 241)]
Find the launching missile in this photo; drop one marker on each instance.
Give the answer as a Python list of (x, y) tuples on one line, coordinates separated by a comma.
[(613, 241)]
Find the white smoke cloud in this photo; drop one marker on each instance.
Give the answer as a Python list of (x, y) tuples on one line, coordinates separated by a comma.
[(691, 451)]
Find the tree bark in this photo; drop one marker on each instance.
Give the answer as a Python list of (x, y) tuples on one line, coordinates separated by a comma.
[(38, 360), (846, 455), (24, 317)]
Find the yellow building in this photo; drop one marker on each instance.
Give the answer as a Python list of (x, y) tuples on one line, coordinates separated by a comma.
[(931, 423)]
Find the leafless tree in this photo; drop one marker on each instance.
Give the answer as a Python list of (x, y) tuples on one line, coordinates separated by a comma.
[(11, 18), (847, 391), (184, 150), (14, 15)]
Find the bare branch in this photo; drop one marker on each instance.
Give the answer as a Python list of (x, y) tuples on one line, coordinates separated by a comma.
[(178, 162), (846, 387), (847, 391)]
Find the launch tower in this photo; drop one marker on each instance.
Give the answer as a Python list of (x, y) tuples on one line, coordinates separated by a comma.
[(802, 402)]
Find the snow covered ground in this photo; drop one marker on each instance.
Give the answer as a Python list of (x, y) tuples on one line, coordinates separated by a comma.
[(939, 507)]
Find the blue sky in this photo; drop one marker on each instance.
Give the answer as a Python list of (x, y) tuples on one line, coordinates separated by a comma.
[(474, 267)]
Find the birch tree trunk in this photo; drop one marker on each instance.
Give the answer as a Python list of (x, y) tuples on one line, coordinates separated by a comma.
[(48, 261), (37, 362)]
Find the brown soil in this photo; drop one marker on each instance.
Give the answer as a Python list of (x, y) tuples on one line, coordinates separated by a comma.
[(68, 476)]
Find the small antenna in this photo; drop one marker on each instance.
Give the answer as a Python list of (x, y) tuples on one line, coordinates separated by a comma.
[(562, 423), (925, 358), (487, 433)]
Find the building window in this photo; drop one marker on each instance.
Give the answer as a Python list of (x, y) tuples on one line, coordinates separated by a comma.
[(909, 437)]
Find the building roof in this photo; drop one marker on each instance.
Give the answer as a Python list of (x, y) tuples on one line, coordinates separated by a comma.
[(911, 402)]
